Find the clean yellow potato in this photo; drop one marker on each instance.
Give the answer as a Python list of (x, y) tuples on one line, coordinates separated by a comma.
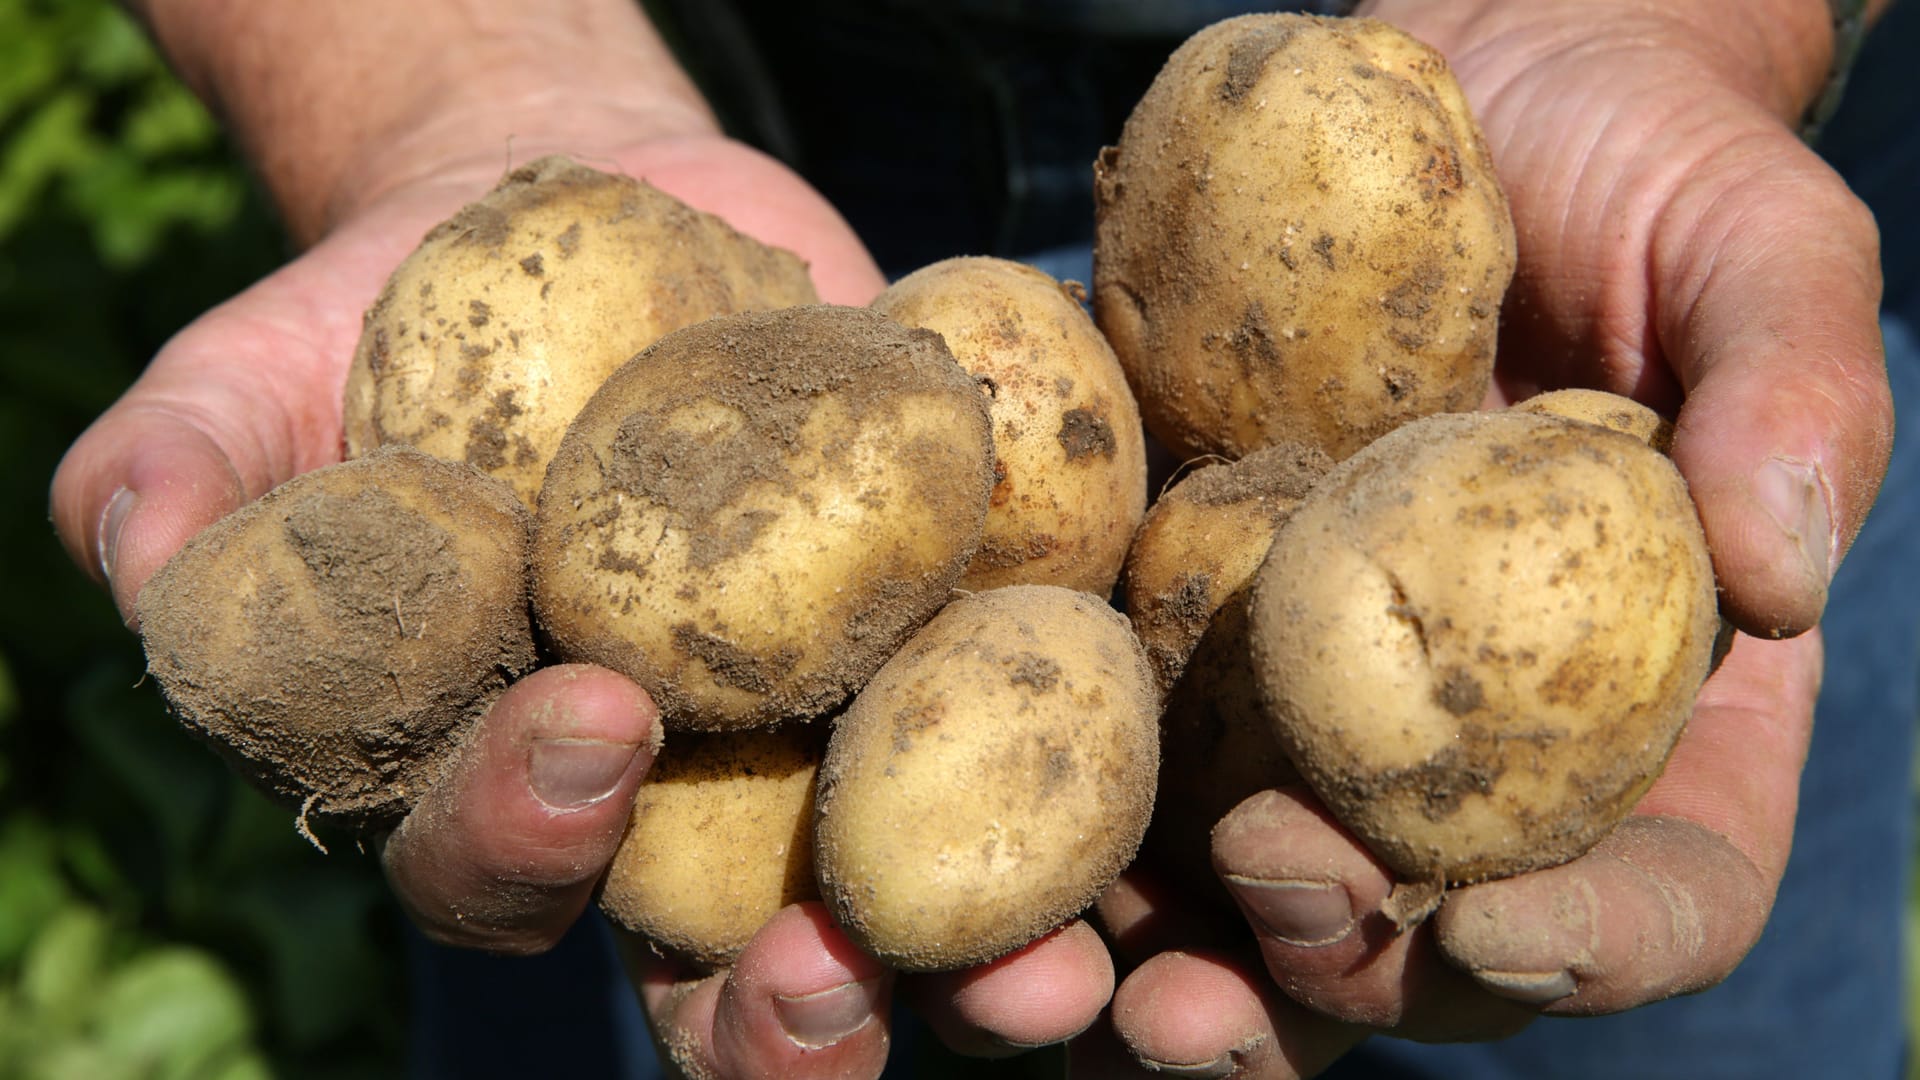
[(1070, 462), (494, 332), (721, 838), (990, 780), (1188, 578), (336, 638), (753, 514), (1300, 238), (1480, 638)]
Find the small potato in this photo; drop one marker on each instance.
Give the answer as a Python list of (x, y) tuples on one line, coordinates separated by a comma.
[(1622, 414), (490, 337), (1070, 463), (1300, 238), (336, 638), (1201, 544), (720, 839), (1188, 579), (990, 780), (1480, 638), (753, 514)]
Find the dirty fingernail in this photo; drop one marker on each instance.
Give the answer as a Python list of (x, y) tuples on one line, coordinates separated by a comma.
[(1528, 987), (113, 518), (816, 1021), (1216, 1069), (569, 774), (1305, 913), (1794, 495)]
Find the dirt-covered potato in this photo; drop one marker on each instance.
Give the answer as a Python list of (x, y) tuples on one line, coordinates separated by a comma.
[(1188, 578), (1199, 546), (753, 514), (1070, 464), (494, 332), (990, 780), (1480, 637), (1300, 238), (720, 839), (336, 637)]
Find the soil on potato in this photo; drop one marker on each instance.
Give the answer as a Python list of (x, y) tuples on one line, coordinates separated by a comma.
[(773, 371), (316, 694)]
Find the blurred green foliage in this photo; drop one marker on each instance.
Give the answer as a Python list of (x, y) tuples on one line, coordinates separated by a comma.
[(157, 918)]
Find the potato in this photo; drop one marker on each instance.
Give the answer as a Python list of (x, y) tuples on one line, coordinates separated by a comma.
[(721, 838), (1480, 638), (337, 637), (1188, 578), (1201, 543), (1070, 462), (1622, 414), (753, 514), (1300, 238), (494, 332), (990, 780)]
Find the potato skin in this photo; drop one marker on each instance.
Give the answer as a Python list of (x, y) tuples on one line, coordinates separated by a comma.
[(1622, 414), (336, 638), (1300, 238), (1070, 461), (720, 839), (1189, 576), (489, 337), (990, 781), (753, 514), (1480, 638)]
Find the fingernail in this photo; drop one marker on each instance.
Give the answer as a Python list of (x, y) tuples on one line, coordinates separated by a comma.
[(1219, 1067), (817, 1021), (1528, 987), (1794, 495), (1303, 913), (570, 774), (106, 539)]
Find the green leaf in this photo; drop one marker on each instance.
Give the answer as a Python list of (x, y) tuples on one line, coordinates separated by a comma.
[(176, 1012), (62, 968), (32, 890)]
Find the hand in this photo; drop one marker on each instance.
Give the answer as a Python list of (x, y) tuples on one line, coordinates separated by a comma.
[(1678, 244), (505, 853), (802, 1001)]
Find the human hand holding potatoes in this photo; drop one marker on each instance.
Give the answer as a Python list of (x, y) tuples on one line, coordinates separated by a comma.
[(1772, 364)]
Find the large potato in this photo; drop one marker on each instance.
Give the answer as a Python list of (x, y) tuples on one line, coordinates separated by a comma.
[(1300, 239), (753, 514), (494, 332), (990, 780), (720, 839), (1480, 637), (336, 637), (1070, 463)]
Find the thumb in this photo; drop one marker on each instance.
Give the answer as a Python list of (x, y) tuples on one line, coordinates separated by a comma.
[(1788, 420), (139, 484)]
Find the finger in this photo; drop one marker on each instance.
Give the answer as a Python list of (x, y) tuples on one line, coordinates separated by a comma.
[(1044, 993), (504, 851), (1212, 1015), (1146, 913), (1674, 898), (245, 398), (1316, 898), (800, 1002), (1788, 419)]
